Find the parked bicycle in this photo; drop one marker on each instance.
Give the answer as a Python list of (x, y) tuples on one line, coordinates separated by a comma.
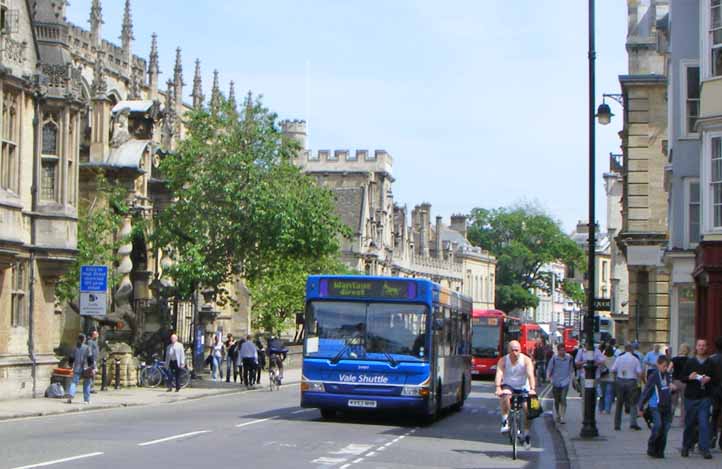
[(516, 421), (157, 373)]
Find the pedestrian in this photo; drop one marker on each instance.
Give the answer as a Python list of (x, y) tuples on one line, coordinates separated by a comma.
[(261, 363), (650, 359), (175, 358), (698, 373), (216, 358), (230, 346), (83, 367), (678, 380), (94, 352), (560, 372), (539, 356), (580, 361), (658, 393), (606, 382), (239, 360), (627, 371), (249, 356), (716, 360)]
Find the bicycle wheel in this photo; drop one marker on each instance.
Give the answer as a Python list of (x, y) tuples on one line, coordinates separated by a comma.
[(513, 433), (152, 377), (184, 377)]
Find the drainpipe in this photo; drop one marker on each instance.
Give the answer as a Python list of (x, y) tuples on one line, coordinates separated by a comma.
[(31, 293)]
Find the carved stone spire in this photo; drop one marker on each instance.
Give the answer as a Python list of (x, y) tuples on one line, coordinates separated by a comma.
[(178, 77), (153, 70), (136, 78), (126, 34), (197, 87), (215, 93), (168, 128), (99, 86), (96, 21), (232, 96)]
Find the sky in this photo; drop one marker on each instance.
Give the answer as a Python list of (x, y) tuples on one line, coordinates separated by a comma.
[(481, 103)]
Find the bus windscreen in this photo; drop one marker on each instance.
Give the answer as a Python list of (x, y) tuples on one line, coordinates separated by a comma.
[(485, 337), (368, 331)]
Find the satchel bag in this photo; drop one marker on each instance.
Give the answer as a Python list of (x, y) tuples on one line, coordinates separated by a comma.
[(89, 373)]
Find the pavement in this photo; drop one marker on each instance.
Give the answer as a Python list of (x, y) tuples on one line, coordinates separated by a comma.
[(129, 397), (622, 449), (269, 429)]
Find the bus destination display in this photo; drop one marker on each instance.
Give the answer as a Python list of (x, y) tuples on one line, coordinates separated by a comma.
[(388, 289)]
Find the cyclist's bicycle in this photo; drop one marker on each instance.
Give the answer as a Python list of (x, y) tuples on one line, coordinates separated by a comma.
[(275, 365), (516, 420), (151, 376)]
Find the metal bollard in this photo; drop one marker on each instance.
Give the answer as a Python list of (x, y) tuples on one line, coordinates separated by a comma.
[(117, 373), (104, 375)]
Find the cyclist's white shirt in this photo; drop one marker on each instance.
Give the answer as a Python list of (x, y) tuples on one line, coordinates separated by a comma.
[(515, 376)]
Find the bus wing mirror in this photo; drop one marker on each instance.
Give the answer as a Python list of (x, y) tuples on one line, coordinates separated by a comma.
[(438, 324)]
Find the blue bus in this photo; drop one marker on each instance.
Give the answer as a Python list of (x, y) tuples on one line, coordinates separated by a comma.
[(385, 343)]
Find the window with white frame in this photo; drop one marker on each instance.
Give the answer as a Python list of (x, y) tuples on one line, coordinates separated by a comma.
[(716, 180), (9, 138), (694, 210), (691, 98), (715, 35)]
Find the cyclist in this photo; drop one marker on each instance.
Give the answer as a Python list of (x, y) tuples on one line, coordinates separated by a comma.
[(276, 355), (514, 375)]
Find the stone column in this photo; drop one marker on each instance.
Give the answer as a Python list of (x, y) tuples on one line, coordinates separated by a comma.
[(124, 293)]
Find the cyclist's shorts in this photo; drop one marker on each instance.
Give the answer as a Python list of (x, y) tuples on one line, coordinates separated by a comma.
[(513, 390)]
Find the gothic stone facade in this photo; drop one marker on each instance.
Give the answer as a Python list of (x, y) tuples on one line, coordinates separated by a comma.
[(73, 103)]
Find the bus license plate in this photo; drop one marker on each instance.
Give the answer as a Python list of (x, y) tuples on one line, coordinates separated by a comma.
[(365, 404)]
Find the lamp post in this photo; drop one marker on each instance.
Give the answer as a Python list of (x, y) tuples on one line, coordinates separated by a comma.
[(589, 424)]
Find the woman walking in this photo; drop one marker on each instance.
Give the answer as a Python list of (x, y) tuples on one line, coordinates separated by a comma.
[(607, 382), (83, 367), (217, 358), (678, 364)]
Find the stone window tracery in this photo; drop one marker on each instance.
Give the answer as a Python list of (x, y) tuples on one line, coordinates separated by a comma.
[(18, 308), (50, 159), (9, 151)]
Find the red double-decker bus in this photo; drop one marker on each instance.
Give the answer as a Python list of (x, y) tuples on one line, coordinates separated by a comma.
[(529, 334), (491, 331), (570, 336)]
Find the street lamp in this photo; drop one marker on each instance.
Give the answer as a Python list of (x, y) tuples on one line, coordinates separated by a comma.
[(589, 424), (604, 112)]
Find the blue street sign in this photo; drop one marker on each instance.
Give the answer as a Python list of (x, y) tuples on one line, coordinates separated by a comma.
[(93, 278)]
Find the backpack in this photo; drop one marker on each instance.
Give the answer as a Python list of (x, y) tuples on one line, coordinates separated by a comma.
[(55, 391)]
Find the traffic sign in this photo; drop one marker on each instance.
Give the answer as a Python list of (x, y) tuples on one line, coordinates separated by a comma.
[(93, 290), (602, 304)]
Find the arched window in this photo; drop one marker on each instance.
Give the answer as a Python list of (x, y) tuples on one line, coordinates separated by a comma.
[(50, 138), (50, 159), (9, 140)]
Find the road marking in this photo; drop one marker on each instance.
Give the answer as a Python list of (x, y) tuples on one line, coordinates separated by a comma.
[(329, 461), (372, 453), (356, 461), (58, 461), (353, 449), (344, 466), (253, 422), (302, 411), (175, 437)]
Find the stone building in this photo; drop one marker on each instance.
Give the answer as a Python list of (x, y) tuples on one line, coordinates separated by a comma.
[(73, 104), (643, 236), (681, 33), (387, 239), (619, 275)]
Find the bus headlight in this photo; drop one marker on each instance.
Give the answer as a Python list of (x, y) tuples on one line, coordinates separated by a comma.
[(311, 386), (415, 391)]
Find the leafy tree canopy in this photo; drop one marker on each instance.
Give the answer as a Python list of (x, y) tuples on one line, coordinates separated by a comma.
[(239, 206), (523, 239), (99, 219)]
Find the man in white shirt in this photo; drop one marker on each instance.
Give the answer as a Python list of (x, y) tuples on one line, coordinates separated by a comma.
[(175, 357), (627, 370), (249, 356)]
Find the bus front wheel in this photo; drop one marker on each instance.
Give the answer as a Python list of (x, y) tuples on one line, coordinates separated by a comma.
[(327, 414), (459, 404)]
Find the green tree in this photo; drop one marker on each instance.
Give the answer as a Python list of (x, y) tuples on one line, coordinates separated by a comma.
[(523, 239), (99, 220), (279, 294), (239, 206)]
